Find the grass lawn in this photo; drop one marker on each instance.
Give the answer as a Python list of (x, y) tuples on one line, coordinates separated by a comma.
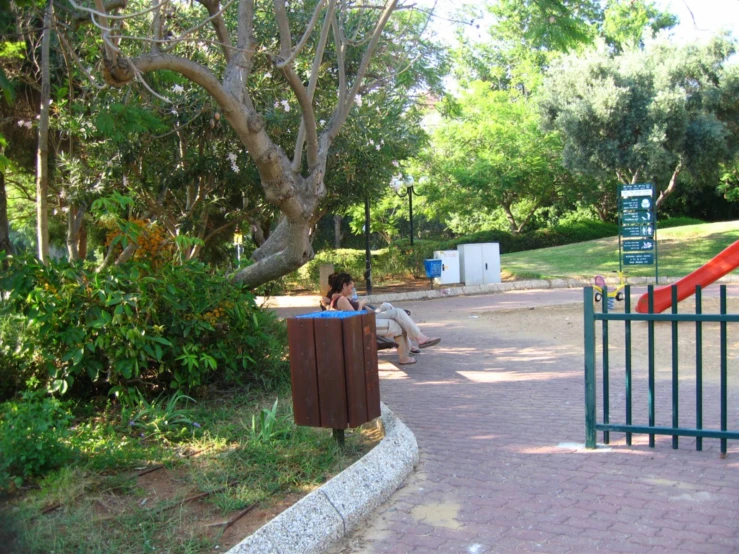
[(190, 478), (681, 250)]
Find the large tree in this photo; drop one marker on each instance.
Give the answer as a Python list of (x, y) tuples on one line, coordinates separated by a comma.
[(342, 43), (651, 114), (488, 152)]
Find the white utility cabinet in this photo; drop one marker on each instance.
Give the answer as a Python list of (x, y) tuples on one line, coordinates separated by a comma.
[(479, 264), (449, 267)]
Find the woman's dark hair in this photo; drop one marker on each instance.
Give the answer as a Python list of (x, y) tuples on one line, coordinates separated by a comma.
[(337, 282)]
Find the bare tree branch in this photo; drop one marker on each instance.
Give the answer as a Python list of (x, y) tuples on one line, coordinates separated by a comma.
[(315, 70), (219, 25), (156, 25), (286, 41), (308, 31), (342, 110)]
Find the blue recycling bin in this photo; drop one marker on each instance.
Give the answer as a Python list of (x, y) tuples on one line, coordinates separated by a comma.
[(433, 268)]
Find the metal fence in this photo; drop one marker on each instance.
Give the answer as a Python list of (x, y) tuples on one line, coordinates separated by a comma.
[(630, 370)]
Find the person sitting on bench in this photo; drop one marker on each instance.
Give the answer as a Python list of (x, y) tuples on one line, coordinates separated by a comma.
[(342, 286)]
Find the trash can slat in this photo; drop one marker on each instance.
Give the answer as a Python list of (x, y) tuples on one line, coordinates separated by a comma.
[(371, 376), (303, 372), (330, 369), (356, 390)]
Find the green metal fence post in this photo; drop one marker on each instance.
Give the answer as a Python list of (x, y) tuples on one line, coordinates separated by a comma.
[(606, 372), (698, 368), (724, 382), (589, 325), (627, 353), (675, 377), (650, 346)]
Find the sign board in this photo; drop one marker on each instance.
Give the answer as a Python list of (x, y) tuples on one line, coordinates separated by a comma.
[(636, 203), (639, 259), (637, 231), (637, 242), (638, 245), (641, 189), (636, 217)]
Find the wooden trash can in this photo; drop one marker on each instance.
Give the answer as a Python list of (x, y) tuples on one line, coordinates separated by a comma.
[(333, 367)]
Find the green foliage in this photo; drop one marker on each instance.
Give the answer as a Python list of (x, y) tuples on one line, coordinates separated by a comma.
[(490, 154), (628, 22), (678, 222), (127, 328), (547, 24), (665, 112), (268, 426), (400, 258), (237, 469), (13, 371), (32, 432), (159, 417), (577, 231), (343, 259)]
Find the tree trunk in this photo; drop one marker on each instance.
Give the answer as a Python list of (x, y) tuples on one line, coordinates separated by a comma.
[(601, 210), (259, 230), (5, 244), (286, 249), (42, 153), (338, 235), (74, 224), (82, 244), (670, 187), (72, 252), (511, 218)]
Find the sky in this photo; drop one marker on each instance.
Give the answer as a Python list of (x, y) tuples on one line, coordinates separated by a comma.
[(711, 16), (708, 17)]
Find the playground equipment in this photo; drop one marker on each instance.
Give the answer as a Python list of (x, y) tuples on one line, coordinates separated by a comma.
[(615, 295), (723, 263)]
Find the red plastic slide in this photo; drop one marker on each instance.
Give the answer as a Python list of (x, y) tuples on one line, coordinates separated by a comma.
[(723, 263)]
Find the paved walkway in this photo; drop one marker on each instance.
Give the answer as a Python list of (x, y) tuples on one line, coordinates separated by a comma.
[(499, 419)]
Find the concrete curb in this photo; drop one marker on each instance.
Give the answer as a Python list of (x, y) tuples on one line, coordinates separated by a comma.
[(328, 513), (540, 284)]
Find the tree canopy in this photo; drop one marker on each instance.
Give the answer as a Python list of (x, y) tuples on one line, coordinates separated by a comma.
[(234, 113), (657, 114)]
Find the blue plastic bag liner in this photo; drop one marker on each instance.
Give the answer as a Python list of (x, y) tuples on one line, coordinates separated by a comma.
[(330, 315), (433, 268)]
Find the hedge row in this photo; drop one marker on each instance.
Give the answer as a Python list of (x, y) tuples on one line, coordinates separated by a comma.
[(400, 258), (569, 233)]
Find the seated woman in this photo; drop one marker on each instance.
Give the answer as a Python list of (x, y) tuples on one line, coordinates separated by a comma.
[(340, 294)]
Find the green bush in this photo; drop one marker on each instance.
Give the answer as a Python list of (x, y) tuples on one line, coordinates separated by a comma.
[(129, 328), (677, 222), (343, 260), (13, 370), (32, 432)]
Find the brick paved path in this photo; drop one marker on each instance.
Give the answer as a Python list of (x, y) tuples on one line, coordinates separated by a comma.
[(498, 421)]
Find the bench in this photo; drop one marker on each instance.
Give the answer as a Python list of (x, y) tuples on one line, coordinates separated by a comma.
[(387, 330)]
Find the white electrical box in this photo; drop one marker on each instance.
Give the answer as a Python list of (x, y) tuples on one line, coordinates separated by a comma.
[(449, 267), (479, 264)]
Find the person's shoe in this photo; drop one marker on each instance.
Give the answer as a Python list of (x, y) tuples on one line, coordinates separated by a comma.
[(430, 342), (410, 361)]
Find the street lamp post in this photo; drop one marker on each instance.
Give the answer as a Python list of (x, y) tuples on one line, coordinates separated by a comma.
[(406, 183)]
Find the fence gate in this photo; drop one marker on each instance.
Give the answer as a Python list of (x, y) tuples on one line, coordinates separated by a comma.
[(630, 336)]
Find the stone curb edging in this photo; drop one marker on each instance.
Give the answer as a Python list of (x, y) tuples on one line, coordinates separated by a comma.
[(328, 513), (521, 285)]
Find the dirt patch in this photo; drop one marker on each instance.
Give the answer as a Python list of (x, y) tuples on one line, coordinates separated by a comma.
[(253, 520)]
